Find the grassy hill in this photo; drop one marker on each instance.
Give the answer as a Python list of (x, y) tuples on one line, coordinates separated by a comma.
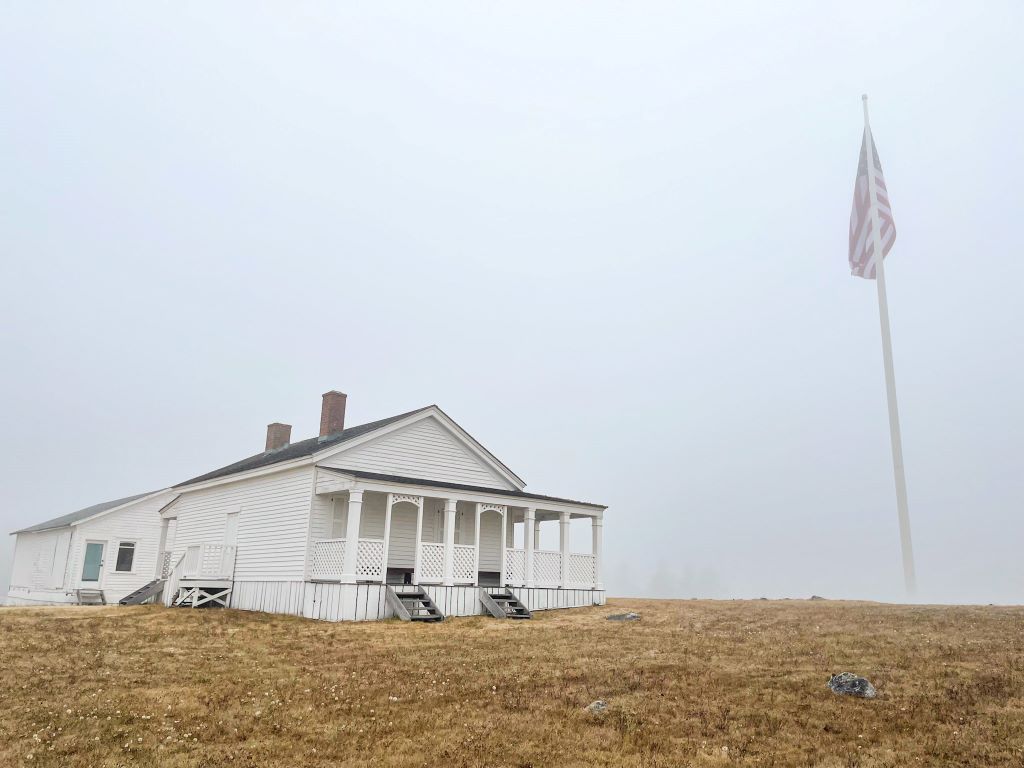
[(692, 683)]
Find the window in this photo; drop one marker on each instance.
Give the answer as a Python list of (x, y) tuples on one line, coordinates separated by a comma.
[(125, 556)]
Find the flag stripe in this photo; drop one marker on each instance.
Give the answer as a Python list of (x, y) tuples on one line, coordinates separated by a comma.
[(862, 240)]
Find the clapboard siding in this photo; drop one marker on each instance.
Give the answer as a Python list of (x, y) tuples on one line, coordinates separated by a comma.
[(321, 525), (424, 449), (465, 522), (40, 559), (433, 521), (172, 527), (490, 541), (273, 521), (402, 540), (138, 522), (371, 516)]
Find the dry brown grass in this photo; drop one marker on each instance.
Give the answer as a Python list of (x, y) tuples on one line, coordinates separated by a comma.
[(692, 683)]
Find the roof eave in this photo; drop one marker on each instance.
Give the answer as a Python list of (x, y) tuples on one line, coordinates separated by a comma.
[(442, 485), (281, 466)]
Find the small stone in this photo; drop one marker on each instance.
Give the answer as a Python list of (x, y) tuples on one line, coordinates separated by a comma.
[(849, 684), (597, 707), (624, 617)]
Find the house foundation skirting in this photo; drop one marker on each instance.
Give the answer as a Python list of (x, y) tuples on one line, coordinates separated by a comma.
[(366, 602), (28, 597)]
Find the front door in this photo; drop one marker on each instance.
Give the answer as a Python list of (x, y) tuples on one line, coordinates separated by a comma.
[(92, 566)]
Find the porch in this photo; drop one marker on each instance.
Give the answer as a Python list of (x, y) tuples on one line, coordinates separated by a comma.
[(363, 535), (203, 574)]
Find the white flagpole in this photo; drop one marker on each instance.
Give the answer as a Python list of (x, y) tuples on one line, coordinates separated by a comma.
[(890, 377)]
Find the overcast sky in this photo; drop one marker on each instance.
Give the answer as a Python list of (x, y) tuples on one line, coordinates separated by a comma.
[(608, 238)]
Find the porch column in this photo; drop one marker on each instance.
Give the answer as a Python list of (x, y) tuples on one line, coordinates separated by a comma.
[(476, 542), (596, 524), (449, 542), (502, 575), (419, 544), (563, 534), (529, 525), (536, 534), (387, 538), (355, 511)]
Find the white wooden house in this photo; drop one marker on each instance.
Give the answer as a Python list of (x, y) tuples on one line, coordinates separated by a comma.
[(111, 549), (406, 515)]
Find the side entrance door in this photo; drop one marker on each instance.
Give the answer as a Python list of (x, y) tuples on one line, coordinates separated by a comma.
[(92, 565)]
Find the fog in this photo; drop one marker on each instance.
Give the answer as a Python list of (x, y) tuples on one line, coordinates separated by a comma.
[(609, 239)]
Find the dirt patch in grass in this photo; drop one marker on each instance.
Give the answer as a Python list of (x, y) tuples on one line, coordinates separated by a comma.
[(691, 684)]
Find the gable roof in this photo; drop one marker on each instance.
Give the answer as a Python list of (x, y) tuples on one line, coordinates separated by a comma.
[(299, 450), (82, 514), (449, 424)]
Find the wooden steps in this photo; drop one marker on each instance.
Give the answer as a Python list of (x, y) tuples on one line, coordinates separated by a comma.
[(90, 597), (502, 604), (411, 602), (142, 594)]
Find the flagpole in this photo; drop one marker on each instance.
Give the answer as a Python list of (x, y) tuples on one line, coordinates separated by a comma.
[(890, 377)]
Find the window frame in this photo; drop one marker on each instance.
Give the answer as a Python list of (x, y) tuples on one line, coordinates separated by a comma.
[(117, 555)]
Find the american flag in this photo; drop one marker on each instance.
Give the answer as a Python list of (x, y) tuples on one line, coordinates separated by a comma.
[(862, 238)]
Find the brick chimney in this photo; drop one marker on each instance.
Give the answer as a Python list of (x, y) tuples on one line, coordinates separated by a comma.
[(278, 435), (332, 415)]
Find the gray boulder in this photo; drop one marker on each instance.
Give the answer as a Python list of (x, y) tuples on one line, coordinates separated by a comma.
[(597, 707), (849, 684), (624, 617)]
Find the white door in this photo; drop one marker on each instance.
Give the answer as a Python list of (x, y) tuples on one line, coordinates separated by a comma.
[(92, 565)]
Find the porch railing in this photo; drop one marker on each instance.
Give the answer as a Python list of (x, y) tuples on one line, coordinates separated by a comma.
[(328, 558), (547, 568), (209, 561), (370, 559), (464, 564), (329, 564), (431, 563), (581, 571), (515, 567)]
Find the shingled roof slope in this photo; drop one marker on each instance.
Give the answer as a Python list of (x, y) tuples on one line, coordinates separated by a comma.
[(82, 514), (298, 450)]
